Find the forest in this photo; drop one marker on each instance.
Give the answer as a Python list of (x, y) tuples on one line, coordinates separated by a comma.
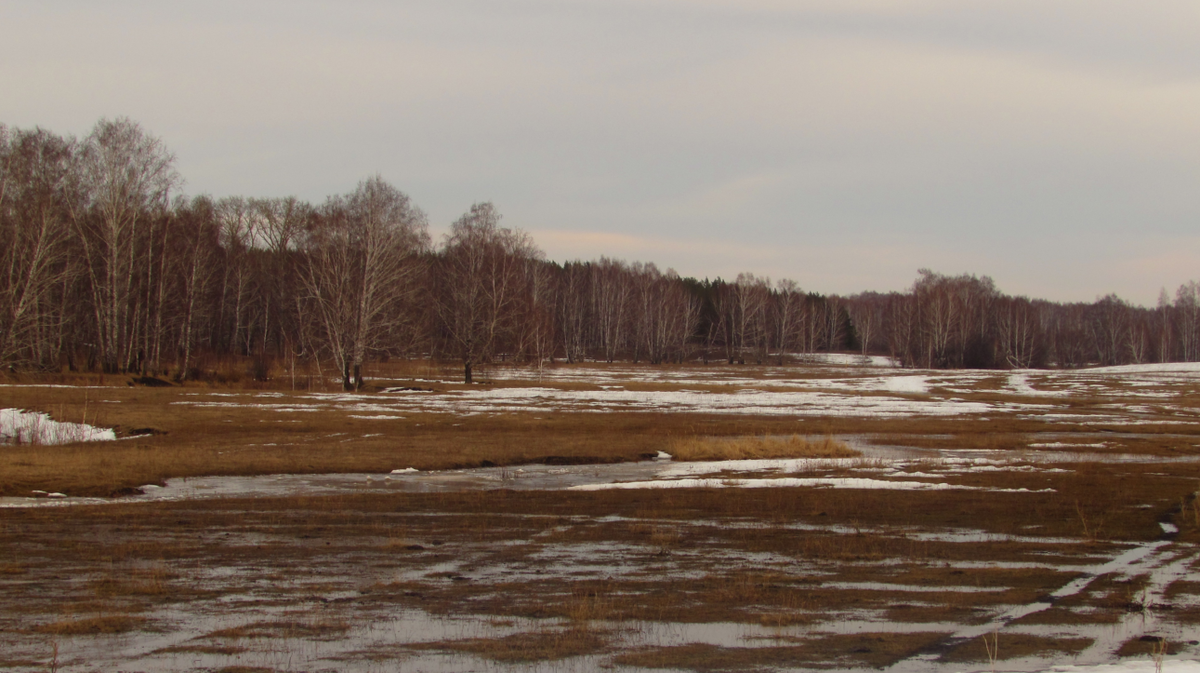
[(108, 267)]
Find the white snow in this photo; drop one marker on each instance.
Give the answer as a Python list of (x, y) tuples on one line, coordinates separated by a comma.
[(1132, 665), (1154, 368), (793, 482), (833, 389), (1018, 383), (907, 384), (848, 359), (18, 426)]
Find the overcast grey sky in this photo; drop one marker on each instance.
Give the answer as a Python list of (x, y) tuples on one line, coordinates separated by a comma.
[(1054, 146)]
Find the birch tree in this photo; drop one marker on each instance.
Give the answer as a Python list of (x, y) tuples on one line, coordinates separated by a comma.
[(612, 293), (198, 241), (363, 260), (1187, 321), (788, 308), (36, 170), (1019, 332), (480, 276), (127, 175), (573, 316)]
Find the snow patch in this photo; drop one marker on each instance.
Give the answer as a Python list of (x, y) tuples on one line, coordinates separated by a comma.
[(792, 482), (18, 426), (1155, 368), (1132, 665), (907, 384)]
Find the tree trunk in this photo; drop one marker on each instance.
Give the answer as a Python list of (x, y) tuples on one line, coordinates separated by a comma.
[(467, 372)]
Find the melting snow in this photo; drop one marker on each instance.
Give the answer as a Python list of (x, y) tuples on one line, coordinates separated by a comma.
[(1133, 666), (30, 427), (785, 482)]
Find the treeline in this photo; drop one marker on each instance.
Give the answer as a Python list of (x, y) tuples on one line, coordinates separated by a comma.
[(107, 267)]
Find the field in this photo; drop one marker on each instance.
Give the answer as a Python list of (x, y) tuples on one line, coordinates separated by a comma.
[(828, 514)]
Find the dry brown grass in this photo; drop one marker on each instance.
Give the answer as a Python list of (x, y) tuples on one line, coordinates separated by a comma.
[(681, 554), (1189, 616), (877, 650), (996, 441), (226, 650), (677, 561), (1065, 615), (924, 614), (1146, 646), (1182, 588), (742, 448), (541, 645), (317, 627), (1014, 646), (244, 439), (92, 625)]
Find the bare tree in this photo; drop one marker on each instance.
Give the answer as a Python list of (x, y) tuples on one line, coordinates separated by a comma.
[(236, 223), (900, 327), (536, 328), (127, 175), (1139, 336), (1187, 321), (363, 253), (788, 306), (198, 239), (1107, 324), (679, 314), (480, 278), (1019, 332), (573, 315), (1070, 336), (277, 227), (741, 311), (938, 313), (867, 314), (611, 296), (754, 332), (954, 319), (1163, 327), (35, 186), (812, 320)]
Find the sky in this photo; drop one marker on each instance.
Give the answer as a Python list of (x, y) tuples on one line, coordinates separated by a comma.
[(1051, 145)]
